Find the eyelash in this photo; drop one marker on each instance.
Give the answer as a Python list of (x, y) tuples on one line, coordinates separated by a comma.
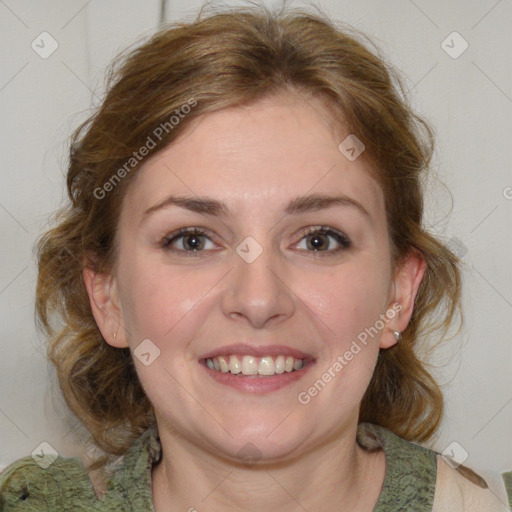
[(342, 239), (173, 237)]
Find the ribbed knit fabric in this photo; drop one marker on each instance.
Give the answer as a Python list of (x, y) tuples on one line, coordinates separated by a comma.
[(409, 485)]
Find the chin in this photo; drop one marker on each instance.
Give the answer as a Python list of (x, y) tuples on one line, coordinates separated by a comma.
[(259, 442)]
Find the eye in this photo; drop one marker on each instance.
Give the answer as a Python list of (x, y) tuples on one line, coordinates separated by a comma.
[(323, 239), (188, 241)]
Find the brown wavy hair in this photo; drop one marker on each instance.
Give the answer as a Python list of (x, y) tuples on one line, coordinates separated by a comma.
[(223, 59)]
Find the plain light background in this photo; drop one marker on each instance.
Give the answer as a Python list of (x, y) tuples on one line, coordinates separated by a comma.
[(467, 99)]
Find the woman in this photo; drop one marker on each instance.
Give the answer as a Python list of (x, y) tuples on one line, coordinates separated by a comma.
[(241, 276)]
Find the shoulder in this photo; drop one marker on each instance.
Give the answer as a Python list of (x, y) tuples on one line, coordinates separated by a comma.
[(29, 485), (410, 478), (507, 480), (422, 477), (460, 488), (32, 485)]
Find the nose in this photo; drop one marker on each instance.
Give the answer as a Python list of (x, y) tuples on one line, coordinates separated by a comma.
[(257, 293)]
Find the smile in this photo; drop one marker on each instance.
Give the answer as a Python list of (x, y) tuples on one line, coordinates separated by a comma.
[(256, 368), (244, 365)]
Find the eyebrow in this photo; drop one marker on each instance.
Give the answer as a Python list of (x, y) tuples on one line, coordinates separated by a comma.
[(315, 202), (194, 204), (301, 204)]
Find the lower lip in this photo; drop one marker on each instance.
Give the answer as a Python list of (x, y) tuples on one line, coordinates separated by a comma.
[(258, 383)]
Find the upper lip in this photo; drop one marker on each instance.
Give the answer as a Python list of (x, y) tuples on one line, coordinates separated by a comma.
[(256, 350)]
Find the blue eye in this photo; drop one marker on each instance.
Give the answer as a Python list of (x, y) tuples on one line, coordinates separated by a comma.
[(324, 239)]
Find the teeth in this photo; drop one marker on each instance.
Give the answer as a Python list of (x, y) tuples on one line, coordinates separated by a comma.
[(235, 366), (267, 366), (249, 365), (297, 364), (252, 365), (279, 364), (223, 364)]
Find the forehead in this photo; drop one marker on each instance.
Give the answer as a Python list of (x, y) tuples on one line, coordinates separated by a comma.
[(257, 155)]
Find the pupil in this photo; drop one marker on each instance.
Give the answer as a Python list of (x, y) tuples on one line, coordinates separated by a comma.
[(317, 241), (193, 242)]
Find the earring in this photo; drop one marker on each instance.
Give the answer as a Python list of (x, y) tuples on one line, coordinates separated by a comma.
[(115, 335), (398, 335)]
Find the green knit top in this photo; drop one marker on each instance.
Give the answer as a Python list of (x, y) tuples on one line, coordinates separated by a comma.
[(409, 483)]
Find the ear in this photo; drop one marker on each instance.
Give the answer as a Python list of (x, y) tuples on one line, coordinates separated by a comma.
[(105, 304), (406, 282)]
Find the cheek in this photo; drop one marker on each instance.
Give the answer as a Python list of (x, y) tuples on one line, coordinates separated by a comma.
[(348, 300), (157, 298), (166, 306)]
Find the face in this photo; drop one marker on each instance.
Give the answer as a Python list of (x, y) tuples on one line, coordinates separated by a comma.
[(253, 245)]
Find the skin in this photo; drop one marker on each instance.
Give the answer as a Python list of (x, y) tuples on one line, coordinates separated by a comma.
[(255, 159)]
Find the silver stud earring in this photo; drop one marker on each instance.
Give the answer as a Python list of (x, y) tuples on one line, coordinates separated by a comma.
[(398, 335), (115, 335)]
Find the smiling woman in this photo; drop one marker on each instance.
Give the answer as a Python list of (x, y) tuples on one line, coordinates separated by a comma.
[(245, 303)]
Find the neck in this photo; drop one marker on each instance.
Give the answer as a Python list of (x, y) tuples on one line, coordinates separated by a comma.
[(336, 475)]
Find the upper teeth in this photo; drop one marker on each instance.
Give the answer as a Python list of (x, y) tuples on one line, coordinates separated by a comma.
[(252, 365)]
